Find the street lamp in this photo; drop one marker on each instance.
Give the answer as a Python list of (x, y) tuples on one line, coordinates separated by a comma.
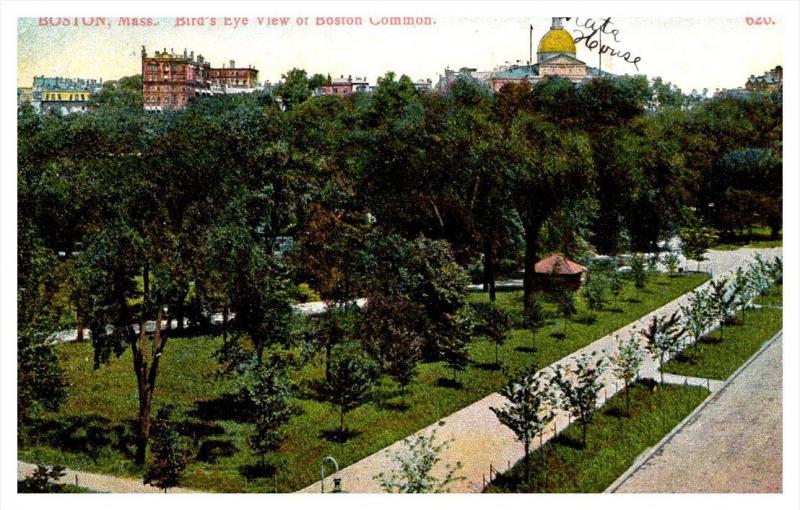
[(337, 480)]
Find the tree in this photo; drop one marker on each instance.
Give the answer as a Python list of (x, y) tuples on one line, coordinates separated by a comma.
[(454, 348), (169, 459), (594, 291), (578, 386), (43, 480), (350, 381), (567, 305), (627, 362), (663, 336), (616, 284), (723, 301), (527, 411), (551, 168), (639, 271), (269, 394), (496, 325), (697, 314), (294, 88), (391, 325), (695, 242), (415, 464), (533, 319), (670, 260)]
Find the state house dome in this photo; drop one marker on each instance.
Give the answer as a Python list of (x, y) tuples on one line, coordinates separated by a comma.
[(555, 42)]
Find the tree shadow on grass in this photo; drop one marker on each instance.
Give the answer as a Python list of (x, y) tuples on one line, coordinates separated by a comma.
[(258, 470), (213, 449), (197, 430), (565, 440), (615, 310), (711, 340), (394, 406), (587, 320), (339, 436), (228, 406), (488, 366), (523, 348), (86, 434), (558, 336), (444, 382), (633, 300), (686, 358), (617, 412)]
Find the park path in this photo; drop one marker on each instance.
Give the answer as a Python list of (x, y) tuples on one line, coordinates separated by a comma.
[(731, 444), (97, 482), (478, 440)]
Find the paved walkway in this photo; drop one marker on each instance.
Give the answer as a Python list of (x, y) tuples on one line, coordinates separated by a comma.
[(733, 444), (480, 441), (97, 482)]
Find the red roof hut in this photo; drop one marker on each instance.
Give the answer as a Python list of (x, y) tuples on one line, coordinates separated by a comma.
[(557, 271)]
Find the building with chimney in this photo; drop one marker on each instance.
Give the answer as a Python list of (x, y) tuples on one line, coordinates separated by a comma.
[(55, 94), (171, 80), (344, 86)]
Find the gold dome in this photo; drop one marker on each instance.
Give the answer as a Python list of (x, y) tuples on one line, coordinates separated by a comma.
[(557, 40)]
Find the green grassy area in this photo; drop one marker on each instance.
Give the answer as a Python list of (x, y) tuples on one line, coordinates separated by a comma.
[(757, 237), (93, 430), (718, 359), (774, 297), (614, 441)]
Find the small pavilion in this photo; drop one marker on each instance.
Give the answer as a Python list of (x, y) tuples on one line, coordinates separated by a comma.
[(557, 271)]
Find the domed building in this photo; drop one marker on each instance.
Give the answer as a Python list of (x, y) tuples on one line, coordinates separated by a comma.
[(555, 56)]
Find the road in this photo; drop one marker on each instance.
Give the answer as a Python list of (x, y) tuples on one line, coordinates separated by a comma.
[(733, 444)]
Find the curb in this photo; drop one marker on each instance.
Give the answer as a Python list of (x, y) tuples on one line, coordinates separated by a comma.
[(648, 454)]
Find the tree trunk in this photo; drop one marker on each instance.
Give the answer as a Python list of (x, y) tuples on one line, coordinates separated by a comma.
[(146, 372), (489, 269), (531, 250), (775, 228), (328, 349), (341, 421), (627, 397), (527, 463), (496, 353), (79, 335), (583, 427)]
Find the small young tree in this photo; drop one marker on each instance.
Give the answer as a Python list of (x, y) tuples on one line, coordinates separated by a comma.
[(627, 362), (533, 319), (496, 325), (269, 394), (594, 292), (743, 291), (169, 458), (616, 283), (697, 314), (455, 353), (42, 480), (415, 463), (723, 302), (639, 271), (670, 261), (349, 381), (695, 242), (527, 411), (567, 305), (578, 387), (663, 336)]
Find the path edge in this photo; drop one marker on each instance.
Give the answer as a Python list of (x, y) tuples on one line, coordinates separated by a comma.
[(648, 454)]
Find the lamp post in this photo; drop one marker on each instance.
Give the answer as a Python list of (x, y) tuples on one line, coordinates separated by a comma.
[(337, 480)]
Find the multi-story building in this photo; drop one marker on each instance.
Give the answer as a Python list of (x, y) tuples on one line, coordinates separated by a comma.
[(770, 81), (344, 86), (171, 80), (232, 78), (62, 95), (555, 57)]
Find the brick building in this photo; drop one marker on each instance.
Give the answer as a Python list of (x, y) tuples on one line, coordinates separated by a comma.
[(171, 80)]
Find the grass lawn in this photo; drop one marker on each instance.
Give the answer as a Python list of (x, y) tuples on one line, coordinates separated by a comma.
[(718, 359), (757, 237), (93, 429), (774, 297), (614, 441)]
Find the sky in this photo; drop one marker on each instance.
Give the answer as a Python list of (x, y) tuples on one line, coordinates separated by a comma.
[(693, 53)]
